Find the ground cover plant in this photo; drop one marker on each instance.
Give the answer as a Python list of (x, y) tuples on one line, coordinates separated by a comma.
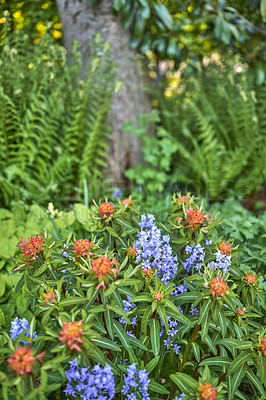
[(135, 309)]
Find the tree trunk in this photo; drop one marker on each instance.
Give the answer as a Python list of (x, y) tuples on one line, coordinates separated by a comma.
[(80, 21)]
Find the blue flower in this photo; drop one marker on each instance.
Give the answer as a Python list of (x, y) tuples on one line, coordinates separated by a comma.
[(197, 257), (180, 397), (208, 242), (136, 380), (97, 384), (222, 262), (127, 307), (117, 193), (18, 326), (194, 311), (154, 250)]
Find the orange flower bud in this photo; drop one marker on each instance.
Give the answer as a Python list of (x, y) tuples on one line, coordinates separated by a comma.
[(263, 345), (33, 247), (106, 209), (71, 334), (22, 360), (251, 279), (225, 248), (218, 287), (207, 392), (82, 247)]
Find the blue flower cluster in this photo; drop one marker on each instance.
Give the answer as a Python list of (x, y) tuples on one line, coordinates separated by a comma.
[(98, 384), (117, 193), (222, 262), (173, 323), (197, 257), (180, 397), (19, 325), (179, 289), (154, 250), (136, 381), (127, 307)]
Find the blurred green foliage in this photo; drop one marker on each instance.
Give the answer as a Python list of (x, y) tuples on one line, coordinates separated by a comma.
[(53, 120)]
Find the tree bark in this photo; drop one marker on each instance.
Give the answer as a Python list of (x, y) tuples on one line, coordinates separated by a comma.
[(80, 21)]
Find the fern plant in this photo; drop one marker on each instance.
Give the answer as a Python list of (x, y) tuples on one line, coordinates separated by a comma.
[(53, 118), (218, 124)]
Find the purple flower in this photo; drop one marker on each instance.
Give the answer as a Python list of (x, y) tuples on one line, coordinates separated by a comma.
[(97, 384), (136, 380), (176, 348), (194, 311), (154, 250), (18, 326), (208, 242)]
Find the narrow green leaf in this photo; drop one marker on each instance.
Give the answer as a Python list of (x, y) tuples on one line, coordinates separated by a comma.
[(219, 361), (145, 319), (240, 359), (253, 379), (109, 316), (222, 322), (236, 380), (155, 336), (204, 311), (205, 326), (106, 343), (157, 388)]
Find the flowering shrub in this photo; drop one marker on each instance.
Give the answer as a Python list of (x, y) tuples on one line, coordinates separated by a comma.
[(136, 310)]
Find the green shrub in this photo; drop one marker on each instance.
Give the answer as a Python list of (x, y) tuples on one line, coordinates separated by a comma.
[(108, 299), (53, 118)]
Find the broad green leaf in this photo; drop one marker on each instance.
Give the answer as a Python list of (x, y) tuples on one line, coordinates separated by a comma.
[(152, 364), (157, 388), (184, 382), (187, 297), (155, 336), (142, 297), (163, 14)]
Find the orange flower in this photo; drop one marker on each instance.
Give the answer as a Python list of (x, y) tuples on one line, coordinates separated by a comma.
[(241, 311), (33, 247), (158, 295), (196, 217), (251, 279), (207, 391), (263, 345), (49, 297), (106, 209), (82, 247), (132, 251), (102, 267), (218, 286), (22, 360), (126, 202), (71, 334), (225, 248), (148, 272), (184, 199)]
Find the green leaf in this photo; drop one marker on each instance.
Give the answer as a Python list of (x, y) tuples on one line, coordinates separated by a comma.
[(196, 350), (145, 319), (240, 359), (163, 14), (121, 312), (162, 313), (236, 380), (122, 336), (254, 380), (142, 297), (218, 361), (211, 345), (152, 364), (112, 232), (157, 388), (187, 297), (222, 322), (106, 343), (72, 301), (109, 315), (184, 382), (177, 314), (137, 343), (204, 311), (205, 326), (155, 336)]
